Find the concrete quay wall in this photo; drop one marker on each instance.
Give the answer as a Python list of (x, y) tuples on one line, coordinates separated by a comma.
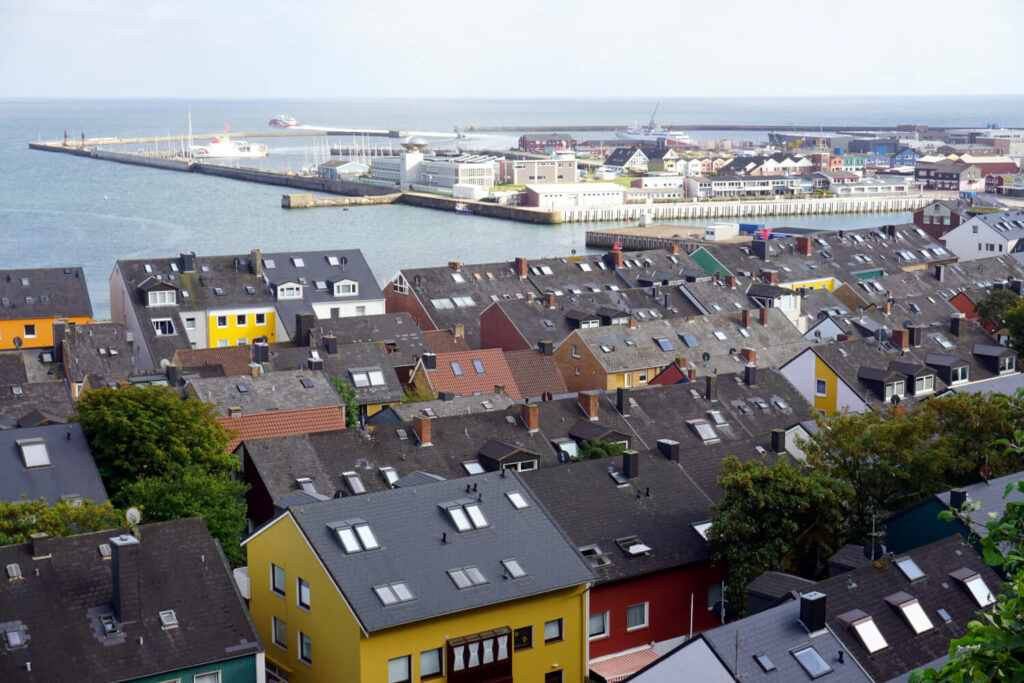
[(309, 201), (515, 213)]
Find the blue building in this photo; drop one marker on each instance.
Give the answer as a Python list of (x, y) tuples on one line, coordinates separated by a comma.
[(905, 157)]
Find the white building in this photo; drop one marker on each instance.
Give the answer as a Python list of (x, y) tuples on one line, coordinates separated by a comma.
[(433, 173), (985, 235), (574, 195)]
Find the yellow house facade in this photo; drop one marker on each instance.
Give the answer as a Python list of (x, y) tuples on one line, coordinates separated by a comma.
[(235, 326), (33, 299), (360, 599)]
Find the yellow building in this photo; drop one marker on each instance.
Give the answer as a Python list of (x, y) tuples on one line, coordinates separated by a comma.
[(31, 300), (237, 326), (465, 580)]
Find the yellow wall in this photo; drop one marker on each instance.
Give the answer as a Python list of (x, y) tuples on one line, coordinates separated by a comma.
[(616, 380), (233, 332), (9, 329), (341, 653), (826, 283), (828, 401)]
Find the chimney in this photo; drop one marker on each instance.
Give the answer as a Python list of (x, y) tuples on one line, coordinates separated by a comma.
[(304, 323), (779, 440), (315, 363), (330, 344), (901, 338), (812, 611), (622, 401), (914, 332), (745, 317), (587, 401), (529, 297), (760, 249), (260, 352), (691, 374), (255, 370), (1016, 286), (803, 245), (667, 300), (256, 260), (669, 448), (614, 259), (674, 249), (549, 300), (957, 323), (531, 417), (890, 231), (429, 361), (60, 331), (750, 374), (749, 354), (124, 571), (421, 427), (40, 545), (843, 337), (770, 276), (522, 268), (235, 411), (455, 265), (632, 322), (188, 261), (939, 272), (546, 347), (730, 280), (711, 387), (717, 276), (681, 363), (887, 307), (631, 464), (459, 330), (763, 315), (957, 498)]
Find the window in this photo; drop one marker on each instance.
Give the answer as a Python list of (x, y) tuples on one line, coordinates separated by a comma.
[(522, 638), (820, 387), (277, 579), (345, 288), (894, 389), (597, 625), (909, 568), (552, 630), (280, 633), (360, 379), (456, 368), (302, 593), (766, 663), (513, 569), (467, 577), (211, 677), (356, 537), (190, 323), (162, 327), (553, 677), (869, 634), (393, 593), (163, 297), (517, 500), (431, 663), (241, 341), (289, 292), (915, 615), (923, 385), (1007, 364), (663, 343), (34, 452), (478, 365), (704, 430), (261, 318), (241, 320), (222, 321), (636, 616), (812, 662), (399, 670)]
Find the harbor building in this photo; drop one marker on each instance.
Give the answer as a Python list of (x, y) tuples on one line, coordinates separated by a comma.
[(524, 171), (414, 170), (32, 299), (574, 195)]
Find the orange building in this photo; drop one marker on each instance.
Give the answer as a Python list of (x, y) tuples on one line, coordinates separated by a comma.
[(31, 300)]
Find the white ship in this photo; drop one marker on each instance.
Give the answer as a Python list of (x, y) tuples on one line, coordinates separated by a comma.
[(223, 147), (652, 132), (283, 121)]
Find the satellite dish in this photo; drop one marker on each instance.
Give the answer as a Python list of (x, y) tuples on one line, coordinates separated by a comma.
[(817, 334), (164, 363), (18, 342), (895, 400), (133, 516), (705, 356)]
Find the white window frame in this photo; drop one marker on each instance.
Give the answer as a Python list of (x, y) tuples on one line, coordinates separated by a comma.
[(408, 669), (560, 623), (817, 383), (646, 621), (605, 631), (261, 319), (218, 319), (349, 285), (33, 335), (190, 323), (156, 330), (439, 651), (162, 297), (289, 291), (244, 318), (197, 678), (299, 581)]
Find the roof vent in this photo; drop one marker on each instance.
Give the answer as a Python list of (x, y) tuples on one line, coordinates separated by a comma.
[(14, 572)]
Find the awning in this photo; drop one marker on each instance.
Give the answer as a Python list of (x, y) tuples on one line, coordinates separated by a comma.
[(620, 667)]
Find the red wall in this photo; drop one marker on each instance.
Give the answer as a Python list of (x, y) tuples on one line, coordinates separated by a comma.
[(407, 303), (668, 596), (962, 303), (498, 332)]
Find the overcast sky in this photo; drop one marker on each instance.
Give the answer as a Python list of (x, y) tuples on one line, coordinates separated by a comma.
[(524, 48)]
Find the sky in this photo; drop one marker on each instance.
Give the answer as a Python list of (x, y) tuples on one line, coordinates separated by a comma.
[(526, 48)]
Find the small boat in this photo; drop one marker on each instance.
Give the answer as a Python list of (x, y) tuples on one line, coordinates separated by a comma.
[(283, 121), (463, 209), (223, 147)]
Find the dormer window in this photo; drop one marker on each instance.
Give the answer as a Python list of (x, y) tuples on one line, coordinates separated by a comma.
[(346, 288), (897, 388), (162, 297), (1007, 364), (911, 611), (924, 385), (975, 585), (289, 291)]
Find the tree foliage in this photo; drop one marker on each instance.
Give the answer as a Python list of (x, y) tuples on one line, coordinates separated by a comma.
[(597, 448), (1013, 320), (18, 520), (997, 304), (348, 395), (768, 515)]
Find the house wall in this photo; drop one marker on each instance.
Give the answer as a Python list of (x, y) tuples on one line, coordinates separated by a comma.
[(259, 504), (122, 311), (233, 331), (248, 669), (936, 219), (920, 526), (804, 371), (9, 329), (969, 245), (962, 303), (668, 595), (583, 373), (348, 309), (407, 303), (825, 283), (498, 332)]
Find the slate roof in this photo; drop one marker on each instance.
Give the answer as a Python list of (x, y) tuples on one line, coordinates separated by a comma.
[(409, 524), (444, 341), (282, 423), (460, 405), (234, 360), (270, 392), (180, 567), (12, 368), (534, 374), (990, 495), (620, 156), (496, 373), (71, 472), (27, 293), (97, 349), (360, 359), (774, 585), (401, 333), (866, 589), (599, 512), (51, 398), (857, 361)]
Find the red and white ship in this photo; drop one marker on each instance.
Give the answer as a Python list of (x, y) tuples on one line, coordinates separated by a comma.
[(283, 121)]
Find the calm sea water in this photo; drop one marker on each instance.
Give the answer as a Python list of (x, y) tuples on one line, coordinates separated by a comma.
[(60, 210)]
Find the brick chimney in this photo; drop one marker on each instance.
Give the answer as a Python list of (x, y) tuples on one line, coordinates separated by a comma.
[(674, 249), (763, 315), (631, 464), (588, 401), (887, 307), (124, 572), (421, 427), (550, 301), (617, 259), (622, 401), (40, 545), (304, 323), (522, 268), (803, 245), (711, 387), (901, 338), (681, 363), (256, 262), (455, 265), (529, 297), (843, 337), (691, 373), (632, 322), (530, 414), (730, 280), (745, 317), (749, 354), (770, 276), (459, 331)]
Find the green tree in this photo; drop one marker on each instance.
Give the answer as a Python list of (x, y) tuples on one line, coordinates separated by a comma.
[(1013, 320), (146, 431), (18, 520), (191, 493), (770, 514), (593, 450), (997, 304), (348, 395)]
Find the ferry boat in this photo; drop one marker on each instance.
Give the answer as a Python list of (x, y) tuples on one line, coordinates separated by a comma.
[(652, 132), (223, 147), (283, 121)]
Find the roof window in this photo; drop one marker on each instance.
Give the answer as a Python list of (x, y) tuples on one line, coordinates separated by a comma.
[(704, 430), (813, 663), (513, 569), (473, 467), (298, 262), (354, 482), (355, 536), (594, 556), (909, 568), (34, 452), (393, 593), (663, 343), (517, 500), (13, 572), (306, 484), (390, 475), (466, 516), (766, 663), (633, 546), (690, 340), (14, 638), (456, 368), (168, 619), (458, 277), (911, 610), (467, 577), (975, 585), (332, 260), (269, 264), (242, 388), (863, 625), (478, 365)]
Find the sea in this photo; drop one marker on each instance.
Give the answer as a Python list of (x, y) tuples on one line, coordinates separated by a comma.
[(61, 210)]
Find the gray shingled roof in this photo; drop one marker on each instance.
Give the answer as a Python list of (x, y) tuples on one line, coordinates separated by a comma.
[(272, 391), (51, 398), (27, 293), (98, 349), (409, 525), (398, 330), (990, 495), (71, 472)]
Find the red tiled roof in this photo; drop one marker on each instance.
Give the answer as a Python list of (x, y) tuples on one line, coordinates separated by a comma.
[(234, 359), (535, 373), (282, 423), (620, 667), (496, 372), (444, 341)]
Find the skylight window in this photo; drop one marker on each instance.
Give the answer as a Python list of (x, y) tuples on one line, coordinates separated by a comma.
[(766, 663), (690, 340), (716, 417), (456, 368), (269, 264), (306, 484), (476, 515), (376, 378), (473, 467), (869, 634), (441, 304), (909, 568), (975, 585), (813, 663), (34, 453), (914, 614), (354, 482), (393, 593), (298, 262), (332, 260), (478, 365), (585, 267), (547, 270), (594, 556), (720, 335), (168, 619), (242, 388), (467, 577), (14, 638), (306, 383), (517, 500), (355, 536), (663, 343), (513, 569), (459, 519), (390, 475), (605, 348), (633, 546), (704, 430), (458, 277)]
